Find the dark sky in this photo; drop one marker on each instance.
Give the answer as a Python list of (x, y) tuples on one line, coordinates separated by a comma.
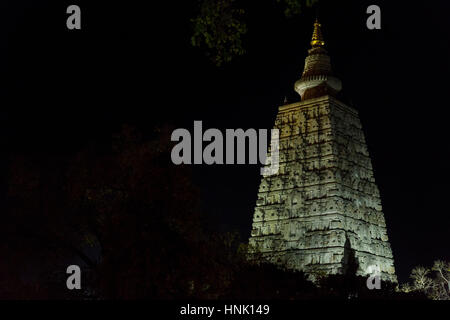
[(132, 63)]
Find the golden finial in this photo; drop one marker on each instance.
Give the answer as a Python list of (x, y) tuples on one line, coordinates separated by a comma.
[(317, 39)]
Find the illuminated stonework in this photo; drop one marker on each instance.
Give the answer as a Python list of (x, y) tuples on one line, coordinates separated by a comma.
[(323, 206)]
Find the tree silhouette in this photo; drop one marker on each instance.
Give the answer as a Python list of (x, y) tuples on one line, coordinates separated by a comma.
[(220, 25)]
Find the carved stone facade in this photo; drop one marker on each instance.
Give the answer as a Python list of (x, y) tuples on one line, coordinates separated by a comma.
[(323, 205)]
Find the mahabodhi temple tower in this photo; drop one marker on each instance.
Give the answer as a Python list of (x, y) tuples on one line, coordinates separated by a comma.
[(323, 207)]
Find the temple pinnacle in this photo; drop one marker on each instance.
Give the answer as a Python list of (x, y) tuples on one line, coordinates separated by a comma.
[(317, 77), (317, 38)]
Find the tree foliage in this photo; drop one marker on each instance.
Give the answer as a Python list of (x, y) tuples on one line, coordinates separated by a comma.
[(434, 282), (124, 212), (220, 26), (294, 7)]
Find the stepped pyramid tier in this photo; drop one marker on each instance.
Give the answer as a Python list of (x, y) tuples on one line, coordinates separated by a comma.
[(322, 210)]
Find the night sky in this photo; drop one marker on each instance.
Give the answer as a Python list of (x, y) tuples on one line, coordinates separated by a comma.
[(133, 63)]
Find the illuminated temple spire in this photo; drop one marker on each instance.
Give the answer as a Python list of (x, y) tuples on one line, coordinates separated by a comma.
[(317, 78), (321, 213), (317, 38)]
